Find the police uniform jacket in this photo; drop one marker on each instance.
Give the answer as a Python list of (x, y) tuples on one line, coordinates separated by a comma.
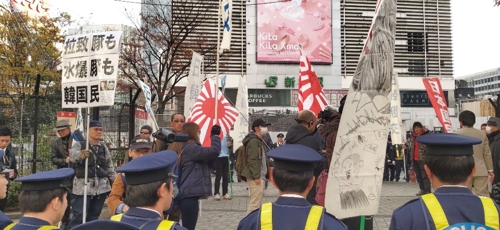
[(458, 203), (289, 213), (4, 220), (31, 223), (139, 216)]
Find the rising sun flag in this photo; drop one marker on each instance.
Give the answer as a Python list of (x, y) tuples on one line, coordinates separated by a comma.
[(311, 95), (203, 112)]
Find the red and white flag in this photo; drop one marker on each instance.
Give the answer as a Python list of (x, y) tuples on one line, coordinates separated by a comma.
[(311, 95), (438, 101), (203, 112)]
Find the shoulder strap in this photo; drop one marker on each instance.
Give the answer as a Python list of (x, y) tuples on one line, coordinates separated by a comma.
[(10, 226), (48, 227), (435, 210), (490, 213), (166, 224), (314, 218), (117, 217), (266, 216)]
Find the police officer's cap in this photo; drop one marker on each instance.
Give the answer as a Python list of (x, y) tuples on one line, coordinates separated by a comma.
[(48, 180), (150, 168), (296, 158), (448, 144), (105, 225), (281, 135)]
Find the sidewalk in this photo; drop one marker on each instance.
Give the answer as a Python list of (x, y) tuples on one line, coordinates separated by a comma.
[(226, 214)]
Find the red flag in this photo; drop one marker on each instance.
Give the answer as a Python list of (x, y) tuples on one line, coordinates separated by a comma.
[(203, 112), (436, 96), (311, 95)]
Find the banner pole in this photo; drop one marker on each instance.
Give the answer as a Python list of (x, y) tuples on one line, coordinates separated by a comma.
[(217, 64), (86, 184)]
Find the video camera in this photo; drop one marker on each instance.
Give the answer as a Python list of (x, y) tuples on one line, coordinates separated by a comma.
[(168, 137)]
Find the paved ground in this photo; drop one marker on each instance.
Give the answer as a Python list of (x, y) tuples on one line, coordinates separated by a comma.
[(226, 214)]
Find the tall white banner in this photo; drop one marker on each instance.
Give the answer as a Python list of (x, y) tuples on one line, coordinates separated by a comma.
[(90, 68), (396, 125), (356, 171), (241, 104), (194, 83), (227, 10)]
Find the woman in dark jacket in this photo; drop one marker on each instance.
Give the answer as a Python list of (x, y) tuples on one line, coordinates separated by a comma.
[(195, 181)]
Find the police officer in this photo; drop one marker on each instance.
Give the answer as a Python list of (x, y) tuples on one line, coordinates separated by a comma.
[(105, 225), (43, 199), (293, 175), (4, 181), (449, 163), (149, 192)]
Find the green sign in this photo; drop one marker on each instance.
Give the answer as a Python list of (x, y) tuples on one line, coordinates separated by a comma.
[(263, 97), (272, 81)]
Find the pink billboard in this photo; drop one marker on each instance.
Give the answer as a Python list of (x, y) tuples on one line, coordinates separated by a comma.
[(282, 26)]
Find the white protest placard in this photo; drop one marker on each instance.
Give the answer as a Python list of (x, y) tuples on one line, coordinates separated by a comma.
[(194, 83), (90, 67)]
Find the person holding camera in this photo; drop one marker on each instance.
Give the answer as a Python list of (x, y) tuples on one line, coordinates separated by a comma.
[(176, 122), (195, 162)]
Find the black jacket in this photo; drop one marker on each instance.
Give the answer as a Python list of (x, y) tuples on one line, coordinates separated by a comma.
[(299, 134), (9, 160), (59, 152)]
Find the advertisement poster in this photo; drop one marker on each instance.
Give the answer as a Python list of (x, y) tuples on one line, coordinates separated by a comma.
[(283, 26)]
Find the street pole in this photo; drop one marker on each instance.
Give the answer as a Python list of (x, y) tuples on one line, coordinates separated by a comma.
[(35, 128)]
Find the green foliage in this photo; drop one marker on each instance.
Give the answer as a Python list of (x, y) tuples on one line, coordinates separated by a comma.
[(12, 199)]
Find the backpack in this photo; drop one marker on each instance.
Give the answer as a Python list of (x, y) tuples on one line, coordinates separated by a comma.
[(321, 187), (241, 160)]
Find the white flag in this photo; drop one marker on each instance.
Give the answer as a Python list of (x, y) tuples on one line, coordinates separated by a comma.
[(227, 9), (193, 86), (147, 94), (396, 125), (241, 104), (79, 121)]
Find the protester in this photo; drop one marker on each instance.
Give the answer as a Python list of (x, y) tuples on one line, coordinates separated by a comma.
[(494, 140), (139, 147), (293, 176), (255, 170), (43, 199), (222, 171), (101, 175), (417, 154), (146, 131), (176, 122), (449, 163), (59, 155), (195, 161), (482, 154)]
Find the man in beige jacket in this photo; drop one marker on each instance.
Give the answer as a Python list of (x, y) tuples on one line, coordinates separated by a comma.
[(482, 154)]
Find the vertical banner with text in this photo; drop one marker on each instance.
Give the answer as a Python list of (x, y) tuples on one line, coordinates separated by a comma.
[(438, 101), (396, 125), (241, 104), (193, 85), (90, 68)]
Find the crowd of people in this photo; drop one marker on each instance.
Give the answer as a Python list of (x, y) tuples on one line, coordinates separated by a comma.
[(161, 186)]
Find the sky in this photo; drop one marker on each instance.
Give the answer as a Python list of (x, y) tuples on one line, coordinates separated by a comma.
[(475, 27)]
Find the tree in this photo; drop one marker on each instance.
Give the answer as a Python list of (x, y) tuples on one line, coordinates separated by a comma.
[(160, 49), (28, 46)]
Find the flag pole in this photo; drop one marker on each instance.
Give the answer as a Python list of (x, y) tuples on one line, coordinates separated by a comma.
[(217, 63)]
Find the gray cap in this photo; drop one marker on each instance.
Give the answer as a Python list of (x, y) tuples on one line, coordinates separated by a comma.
[(495, 121)]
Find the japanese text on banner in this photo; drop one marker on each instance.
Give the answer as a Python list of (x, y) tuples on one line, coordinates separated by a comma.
[(90, 67), (436, 96)]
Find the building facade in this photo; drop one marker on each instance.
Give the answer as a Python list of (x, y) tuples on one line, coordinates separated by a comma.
[(266, 35), (484, 83)]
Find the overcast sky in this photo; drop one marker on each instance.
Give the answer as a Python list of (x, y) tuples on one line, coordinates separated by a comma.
[(476, 27)]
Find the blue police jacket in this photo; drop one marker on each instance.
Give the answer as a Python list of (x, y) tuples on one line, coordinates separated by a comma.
[(459, 204), (4, 220), (289, 213), (139, 216), (30, 223)]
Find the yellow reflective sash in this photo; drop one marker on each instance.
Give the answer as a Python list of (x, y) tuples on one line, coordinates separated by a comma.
[(46, 227), (439, 217), (490, 213), (312, 223), (164, 224)]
